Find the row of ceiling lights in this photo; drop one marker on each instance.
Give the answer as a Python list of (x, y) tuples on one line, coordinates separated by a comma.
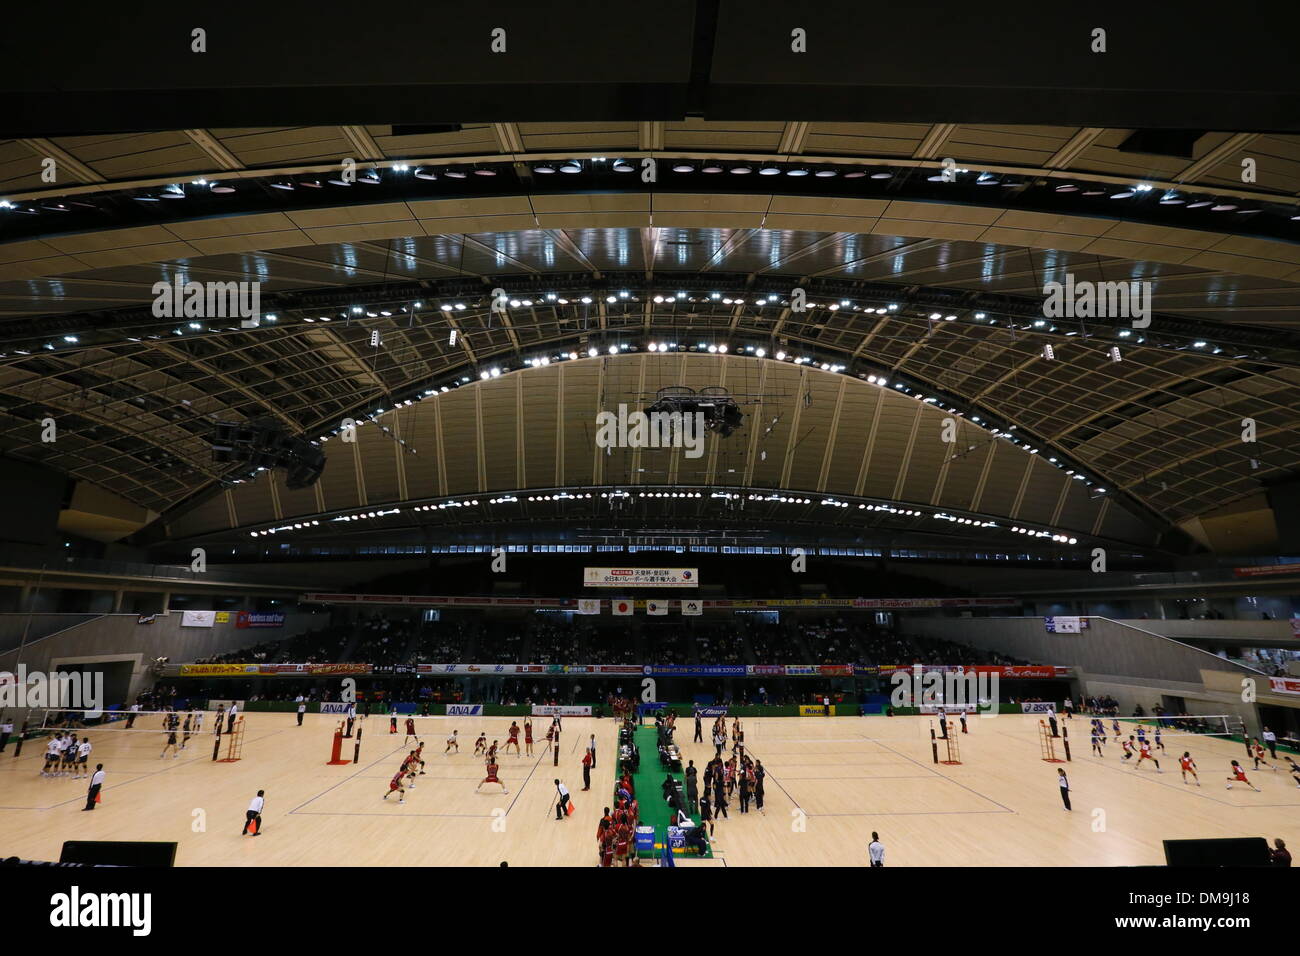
[(777, 497), (374, 177)]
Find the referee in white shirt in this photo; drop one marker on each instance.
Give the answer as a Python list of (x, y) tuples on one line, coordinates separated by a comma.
[(96, 783), (230, 717), (1270, 740), (876, 849), (255, 813)]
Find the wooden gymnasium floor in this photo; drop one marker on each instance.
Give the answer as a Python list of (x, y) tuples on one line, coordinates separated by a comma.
[(831, 781)]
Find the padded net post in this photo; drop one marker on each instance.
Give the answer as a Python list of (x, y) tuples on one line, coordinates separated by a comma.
[(234, 742)]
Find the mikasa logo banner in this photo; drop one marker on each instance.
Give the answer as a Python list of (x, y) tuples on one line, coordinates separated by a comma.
[(93, 910)]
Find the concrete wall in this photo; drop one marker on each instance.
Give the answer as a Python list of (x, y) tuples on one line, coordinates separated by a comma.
[(118, 637), (1107, 647), (1228, 632), (13, 625)]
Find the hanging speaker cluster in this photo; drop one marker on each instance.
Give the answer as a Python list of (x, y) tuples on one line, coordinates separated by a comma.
[(265, 445)]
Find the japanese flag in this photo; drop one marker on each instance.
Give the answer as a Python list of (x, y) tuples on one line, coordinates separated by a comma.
[(620, 607)]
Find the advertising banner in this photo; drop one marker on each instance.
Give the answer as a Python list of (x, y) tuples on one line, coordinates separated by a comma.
[(258, 619), (1265, 570), (640, 577), (801, 670), (338, 669), (656, 608), (334, 707), (1037, 707), (1065, 624), (549, 710), (694, 670), (198, 618), (464, 710), (223, 617), (146, 618), (1284, 685), (812, 710), (772, 670), (711, 711), (738, 604), (217, 670), (835, 670), (692, 608)]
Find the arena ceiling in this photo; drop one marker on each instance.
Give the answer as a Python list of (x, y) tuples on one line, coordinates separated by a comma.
[(933, 287)]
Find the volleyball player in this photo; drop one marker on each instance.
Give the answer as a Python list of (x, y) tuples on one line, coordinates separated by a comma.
[(1187, 765), (1098, 737), (1128, 747), (198, 722), (1257, 752), (1239, 774), (408, 767), (83, 755), (528, 736), (492, 752), (622, 837), (70, 755), (480, 745), (392, 723), (453, 743), (1146, 755), (491, 775), (53, 751), (185, 734), (513, 738), (171, 738), (1160, 744), (1295, 771), (410, 730), (396, 784), (419, 755), (1114, 725)]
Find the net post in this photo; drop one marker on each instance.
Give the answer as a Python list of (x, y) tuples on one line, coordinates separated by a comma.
[(934, 745), (1065, 739), (356, 748)]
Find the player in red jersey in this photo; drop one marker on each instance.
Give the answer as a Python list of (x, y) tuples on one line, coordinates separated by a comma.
[(1257, 752), (1128, 747), (1239, 774), (622, 837), (1146, 755), (550, 737), (480, 745), (528, 736), (513, 738), (410, 730), (1188, 765), (408, 767), (396, 784), (419, 756), (491, 776), (492, 752)]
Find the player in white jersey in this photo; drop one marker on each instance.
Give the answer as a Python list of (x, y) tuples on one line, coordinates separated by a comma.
[(53, 752), (453, 743), (83, 757)]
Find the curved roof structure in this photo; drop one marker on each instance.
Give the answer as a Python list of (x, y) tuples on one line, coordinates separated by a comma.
[(933, 286)]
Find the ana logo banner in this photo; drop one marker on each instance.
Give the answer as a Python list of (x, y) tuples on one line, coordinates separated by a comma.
[(464, 710)]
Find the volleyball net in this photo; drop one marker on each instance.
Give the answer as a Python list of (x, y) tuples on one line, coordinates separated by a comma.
[(1225, 726), (142, 731)]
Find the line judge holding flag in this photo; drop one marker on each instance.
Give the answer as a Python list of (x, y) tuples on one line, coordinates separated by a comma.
[(562, 806), (96, 784)]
